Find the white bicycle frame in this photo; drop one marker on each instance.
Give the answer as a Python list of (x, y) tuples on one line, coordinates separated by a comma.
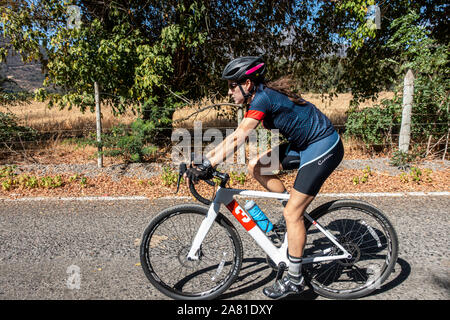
[(277, 254)]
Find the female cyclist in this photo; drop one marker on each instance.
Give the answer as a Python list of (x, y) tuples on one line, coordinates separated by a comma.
[(314, 148)]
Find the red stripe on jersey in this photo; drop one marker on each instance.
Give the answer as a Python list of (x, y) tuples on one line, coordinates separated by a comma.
[(255, 114)]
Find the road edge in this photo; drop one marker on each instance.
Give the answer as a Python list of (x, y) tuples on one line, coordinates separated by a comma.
[(128, 198)]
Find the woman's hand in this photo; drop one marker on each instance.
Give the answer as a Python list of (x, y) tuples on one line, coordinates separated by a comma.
[(203, 171)]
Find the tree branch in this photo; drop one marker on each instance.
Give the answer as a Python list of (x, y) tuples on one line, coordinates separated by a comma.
[(206, 108)]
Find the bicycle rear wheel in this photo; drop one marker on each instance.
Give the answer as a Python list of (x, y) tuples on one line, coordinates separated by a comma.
[(166, 243), (366, 233)]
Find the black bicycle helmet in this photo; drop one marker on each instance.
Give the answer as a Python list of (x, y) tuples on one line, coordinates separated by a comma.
[(243, 68)]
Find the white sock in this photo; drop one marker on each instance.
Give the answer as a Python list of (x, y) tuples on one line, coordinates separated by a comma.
[(295, 269)]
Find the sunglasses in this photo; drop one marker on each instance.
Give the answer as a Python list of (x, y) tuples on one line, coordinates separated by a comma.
[(233, 85)]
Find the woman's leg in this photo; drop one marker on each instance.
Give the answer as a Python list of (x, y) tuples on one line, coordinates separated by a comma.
[(320, 160), (260, 169), (293, 214), (293, 283)]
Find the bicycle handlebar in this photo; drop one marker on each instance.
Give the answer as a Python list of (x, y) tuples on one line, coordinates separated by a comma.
[(224, 177)]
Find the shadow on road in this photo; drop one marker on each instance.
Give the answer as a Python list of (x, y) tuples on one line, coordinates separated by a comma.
[(251, 278), (402, 276)]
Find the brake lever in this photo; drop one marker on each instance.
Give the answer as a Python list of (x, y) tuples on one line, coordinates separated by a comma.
[(183, 169)]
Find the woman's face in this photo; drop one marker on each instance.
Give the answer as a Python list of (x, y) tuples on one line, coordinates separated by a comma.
[(235, 92)]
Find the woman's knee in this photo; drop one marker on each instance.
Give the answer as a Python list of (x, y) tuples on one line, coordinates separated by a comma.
[(296, 206), (293, 214), (253, 166)]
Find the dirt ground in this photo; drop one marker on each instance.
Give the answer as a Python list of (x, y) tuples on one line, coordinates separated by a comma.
[(76, 174)]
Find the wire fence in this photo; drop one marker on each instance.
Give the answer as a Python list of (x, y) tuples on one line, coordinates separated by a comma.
[(413, 130), (25, 143)]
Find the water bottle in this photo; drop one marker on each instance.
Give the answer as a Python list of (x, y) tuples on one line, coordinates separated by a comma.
[(258, 216)]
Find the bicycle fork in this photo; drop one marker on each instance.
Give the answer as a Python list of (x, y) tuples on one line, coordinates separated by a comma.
[(206, 224)]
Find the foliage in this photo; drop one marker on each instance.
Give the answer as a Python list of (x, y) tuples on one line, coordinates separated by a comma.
[(239, 177), (11, 133), (12, 98), (413, 48), (169, 176), (138, 60), (154, 56), (131, 143), (375, 125), (402, 159), (141, 52), (15, 98), (10, 180), (359, 30), (429, 61), (372, 64)]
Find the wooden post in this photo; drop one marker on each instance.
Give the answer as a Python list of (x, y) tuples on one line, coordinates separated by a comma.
[(241, 150), (446, 145), (405, 130), (98, 124)]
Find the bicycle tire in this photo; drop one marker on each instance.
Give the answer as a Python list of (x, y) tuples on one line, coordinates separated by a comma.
[(374, 253), (221, 241)]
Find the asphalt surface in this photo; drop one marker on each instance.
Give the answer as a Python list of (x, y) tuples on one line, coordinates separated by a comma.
[(43, 242)]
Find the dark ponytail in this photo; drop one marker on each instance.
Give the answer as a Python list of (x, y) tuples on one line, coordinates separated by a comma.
[(284, 86)]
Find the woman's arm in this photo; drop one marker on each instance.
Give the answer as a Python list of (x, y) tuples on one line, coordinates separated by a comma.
[(232, 142)]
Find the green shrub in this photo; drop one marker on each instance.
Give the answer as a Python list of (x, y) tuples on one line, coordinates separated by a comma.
[(239, 177), (11, 133), (402, 159), (169, 176), (131, 143), (375, 125)]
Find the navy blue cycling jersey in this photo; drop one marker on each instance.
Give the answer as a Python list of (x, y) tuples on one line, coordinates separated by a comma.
[(300, 124)]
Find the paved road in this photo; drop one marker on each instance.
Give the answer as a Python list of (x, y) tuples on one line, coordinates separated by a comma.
[(41, 240)]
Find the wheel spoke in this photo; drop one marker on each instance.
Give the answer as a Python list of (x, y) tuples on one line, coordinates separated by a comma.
[(362, 233), (166, 250)]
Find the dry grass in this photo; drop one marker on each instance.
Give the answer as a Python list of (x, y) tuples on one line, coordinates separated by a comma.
[(59, 123), (339, 181), (40, 117), (224, 116), (335, 108)]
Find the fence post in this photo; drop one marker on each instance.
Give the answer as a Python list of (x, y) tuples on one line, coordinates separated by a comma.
[(405, 129), (241, 150), (446, 145), (98, 124)]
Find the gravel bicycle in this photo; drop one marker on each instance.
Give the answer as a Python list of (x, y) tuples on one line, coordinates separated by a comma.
[(192, 251)]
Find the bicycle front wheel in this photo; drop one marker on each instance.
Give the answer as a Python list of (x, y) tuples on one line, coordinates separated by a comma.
[(366, 233), (165, 246)]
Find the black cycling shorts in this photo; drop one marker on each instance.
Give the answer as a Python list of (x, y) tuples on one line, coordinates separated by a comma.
[(315, 163)]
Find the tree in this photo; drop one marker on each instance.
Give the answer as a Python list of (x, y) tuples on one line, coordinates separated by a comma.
[(418, 51), (411, 45), (371, 64), (136, 61), (155, 55)]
